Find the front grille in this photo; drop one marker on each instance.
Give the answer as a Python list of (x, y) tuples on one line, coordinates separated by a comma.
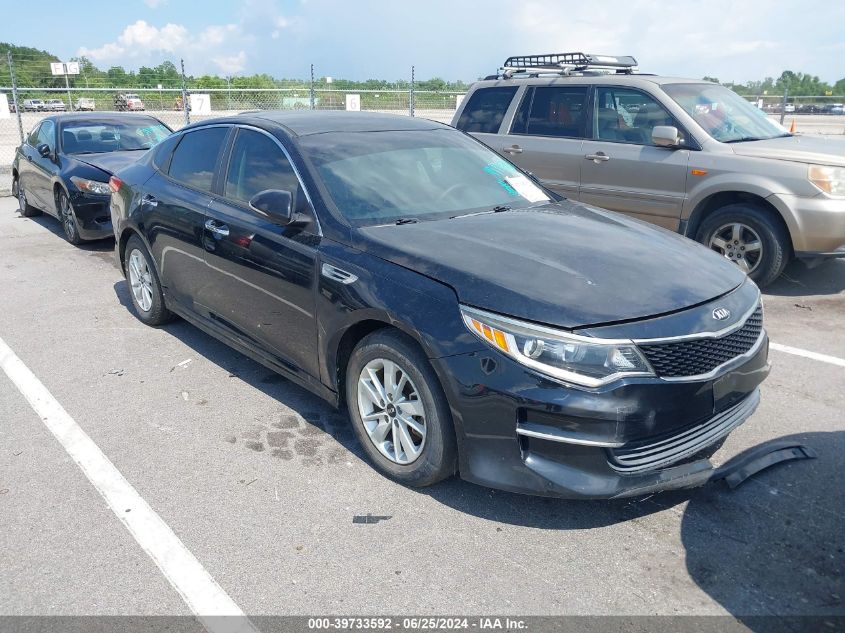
[(694, 357), (665, 450)]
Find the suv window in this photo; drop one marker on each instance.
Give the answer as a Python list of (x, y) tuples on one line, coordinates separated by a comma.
[(486, 109), (195, 157), (258, 163), (553, 111), (627, 116)]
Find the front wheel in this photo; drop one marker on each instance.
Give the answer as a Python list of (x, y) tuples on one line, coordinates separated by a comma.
[(749, 237), (144, 285), (399, 411), (68, 219)]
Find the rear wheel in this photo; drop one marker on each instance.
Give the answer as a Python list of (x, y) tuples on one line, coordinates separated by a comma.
[(749, 237), (26, 209), (144, 285), (399, 411), (68, 218)]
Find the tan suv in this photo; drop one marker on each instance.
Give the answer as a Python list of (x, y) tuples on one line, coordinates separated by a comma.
[(688, 155)]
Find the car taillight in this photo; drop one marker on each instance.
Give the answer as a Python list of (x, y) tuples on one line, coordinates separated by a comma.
[(115, 184)]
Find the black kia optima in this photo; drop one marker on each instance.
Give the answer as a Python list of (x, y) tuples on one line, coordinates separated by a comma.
[(64, 164), (469, 320)]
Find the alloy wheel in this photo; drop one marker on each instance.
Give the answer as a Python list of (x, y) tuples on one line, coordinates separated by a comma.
[(140, 280), (67, 217), (740, 244), (391, 410)]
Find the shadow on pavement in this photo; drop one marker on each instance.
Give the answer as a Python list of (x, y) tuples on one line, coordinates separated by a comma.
[(55, 227), (798, 280), (774, 546)]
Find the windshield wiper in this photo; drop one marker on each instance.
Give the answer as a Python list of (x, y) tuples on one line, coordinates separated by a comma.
[(497, 209), (406, 221), (745, 138)]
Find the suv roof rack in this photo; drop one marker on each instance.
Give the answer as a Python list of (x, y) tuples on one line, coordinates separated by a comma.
[(565, 64)]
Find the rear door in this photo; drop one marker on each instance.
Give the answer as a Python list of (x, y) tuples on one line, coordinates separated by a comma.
[(173, 212), (262, 275), (547, 135), (621, 169)]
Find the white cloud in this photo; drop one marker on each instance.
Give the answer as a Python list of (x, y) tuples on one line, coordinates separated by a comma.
[(155, 4), (231, 65)]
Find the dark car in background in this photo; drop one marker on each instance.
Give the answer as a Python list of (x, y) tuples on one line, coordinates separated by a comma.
[(64, 165), (470, 320)]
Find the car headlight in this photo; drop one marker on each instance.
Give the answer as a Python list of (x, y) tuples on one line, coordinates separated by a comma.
[(577, 359), (829, 179), (91, 186)]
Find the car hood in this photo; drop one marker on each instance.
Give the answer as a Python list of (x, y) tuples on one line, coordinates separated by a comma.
[(109, 162), (820, 150), (562, 264)]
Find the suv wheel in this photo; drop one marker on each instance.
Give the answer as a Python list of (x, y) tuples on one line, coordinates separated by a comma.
[(26, 209), (399, 411), (144, 285), (749, 237)]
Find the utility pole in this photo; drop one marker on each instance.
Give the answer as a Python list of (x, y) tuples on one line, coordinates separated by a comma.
[(67, 87), (185, 107), (312, 99), (15, 94), (411, 95)]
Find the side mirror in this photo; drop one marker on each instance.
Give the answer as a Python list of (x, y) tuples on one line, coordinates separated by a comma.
[(665, 136), (43, 149), (277, 206)]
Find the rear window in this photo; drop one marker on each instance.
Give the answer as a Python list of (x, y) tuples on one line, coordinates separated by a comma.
[(553, 111), (486, 109), (195, 157)]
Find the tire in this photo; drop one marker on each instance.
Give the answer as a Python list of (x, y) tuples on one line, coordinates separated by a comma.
[(756, 226), (26, 209), (422, 394), (144, 285), (67, 217)]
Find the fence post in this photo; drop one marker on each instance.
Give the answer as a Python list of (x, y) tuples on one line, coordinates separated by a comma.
[(185, 107), (783, 105), (15, 94), (411, 95), (311, 88)]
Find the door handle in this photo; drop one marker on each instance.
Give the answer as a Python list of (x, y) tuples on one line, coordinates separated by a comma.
[(149, 201), (217, 229), (513, 149), (29, 158), (598, 157)]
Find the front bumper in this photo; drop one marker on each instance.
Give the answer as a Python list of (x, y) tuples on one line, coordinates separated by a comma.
[(93, 217), (576, 436), (817, 224)]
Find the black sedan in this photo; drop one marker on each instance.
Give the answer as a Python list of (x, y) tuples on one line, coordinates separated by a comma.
[(65, 163), (469, 321)]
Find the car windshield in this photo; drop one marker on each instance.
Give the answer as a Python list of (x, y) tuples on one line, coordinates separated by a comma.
[(723, 114), (88, 137), (385, 177)]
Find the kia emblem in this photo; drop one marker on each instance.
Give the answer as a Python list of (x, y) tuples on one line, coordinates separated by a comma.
[(720, 314)]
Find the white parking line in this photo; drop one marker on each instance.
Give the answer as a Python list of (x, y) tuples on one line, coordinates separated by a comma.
[(824, 358), (206, 599)]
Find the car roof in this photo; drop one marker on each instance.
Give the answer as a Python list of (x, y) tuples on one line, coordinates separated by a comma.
[(90, 117), (306, 122), (616, 79)]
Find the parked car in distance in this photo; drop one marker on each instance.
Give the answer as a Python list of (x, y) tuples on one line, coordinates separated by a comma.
[(128, 102), (467, 319), (64, 165), (837, 108), (688, 155), (789, 108), (34, 105), (56, 105), (85, 104)]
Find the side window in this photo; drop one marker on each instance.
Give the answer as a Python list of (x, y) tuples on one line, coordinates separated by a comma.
[(195, 157), (559, 111), (163, 151), (32, 139), (257, 163), (46, 134), (627, 116), (486, 109)]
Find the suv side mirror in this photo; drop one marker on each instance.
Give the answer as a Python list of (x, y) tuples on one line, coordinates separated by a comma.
[(43, 149), (277, 206), (665, 136)]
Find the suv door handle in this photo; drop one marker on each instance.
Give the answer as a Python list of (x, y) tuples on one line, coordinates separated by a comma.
[(513, 149), (598, 157), (218, 229), (149, 201)]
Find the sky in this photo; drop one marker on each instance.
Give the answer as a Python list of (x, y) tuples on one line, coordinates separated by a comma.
[(733, 40)]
